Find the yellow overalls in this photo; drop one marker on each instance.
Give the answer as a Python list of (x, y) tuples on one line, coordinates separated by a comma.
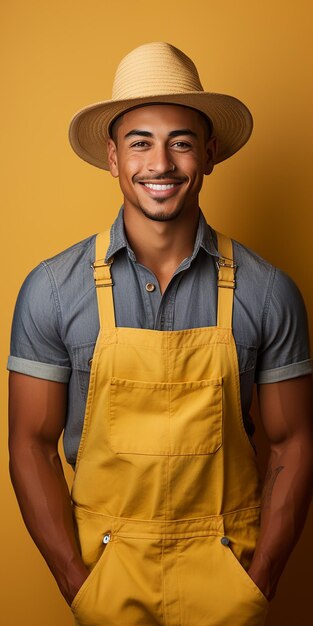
[(166, 493)]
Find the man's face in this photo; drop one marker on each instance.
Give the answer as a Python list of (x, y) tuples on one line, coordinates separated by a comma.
[(160, 154)]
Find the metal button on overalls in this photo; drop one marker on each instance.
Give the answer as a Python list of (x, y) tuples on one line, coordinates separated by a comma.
[(165, 463)]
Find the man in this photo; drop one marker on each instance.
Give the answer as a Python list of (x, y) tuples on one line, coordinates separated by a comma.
[(160, 327)]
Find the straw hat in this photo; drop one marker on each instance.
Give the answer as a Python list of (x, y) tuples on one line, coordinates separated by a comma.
[(154, 73)]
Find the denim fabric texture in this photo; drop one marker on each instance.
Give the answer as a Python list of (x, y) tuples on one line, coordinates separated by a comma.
[(56, 322)]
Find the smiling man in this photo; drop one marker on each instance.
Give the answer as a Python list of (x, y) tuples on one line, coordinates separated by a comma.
[(143, 344), (163, 161), (160, 154)]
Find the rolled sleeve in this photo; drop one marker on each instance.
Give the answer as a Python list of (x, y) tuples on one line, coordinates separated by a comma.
[(36, 347), (284, 373), (284, 352), (56, 373)]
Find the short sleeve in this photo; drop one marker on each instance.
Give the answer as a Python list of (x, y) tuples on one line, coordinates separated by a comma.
[(284, 351), (36, 346)]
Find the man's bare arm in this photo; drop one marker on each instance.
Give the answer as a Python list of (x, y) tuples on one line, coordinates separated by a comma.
[(37, 411), (287, 413)]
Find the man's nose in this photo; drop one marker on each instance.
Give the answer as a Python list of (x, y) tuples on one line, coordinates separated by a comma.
[(160, 161)]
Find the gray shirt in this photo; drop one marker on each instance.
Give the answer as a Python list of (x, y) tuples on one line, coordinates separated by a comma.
[(56, 322)]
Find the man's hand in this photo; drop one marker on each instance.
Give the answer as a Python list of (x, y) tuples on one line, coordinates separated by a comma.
[(261, 576), (36, 420), (73, 581), (287, 412)]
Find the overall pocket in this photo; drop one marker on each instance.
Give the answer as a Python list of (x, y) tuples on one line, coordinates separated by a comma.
[(96, 573), (239, 571), (219, 587), (165, 418)]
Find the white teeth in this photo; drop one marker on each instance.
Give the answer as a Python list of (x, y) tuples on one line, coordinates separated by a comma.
[(159, 187)]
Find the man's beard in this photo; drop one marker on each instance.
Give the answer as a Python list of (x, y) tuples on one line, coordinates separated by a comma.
[(162, 216)]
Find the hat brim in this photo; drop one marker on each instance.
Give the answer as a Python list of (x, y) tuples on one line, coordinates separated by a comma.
[(231, 119)]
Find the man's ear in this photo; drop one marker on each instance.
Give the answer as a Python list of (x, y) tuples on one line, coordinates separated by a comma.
[(210, 152), (112, 157)]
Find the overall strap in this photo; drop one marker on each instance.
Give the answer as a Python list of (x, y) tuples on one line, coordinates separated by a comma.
[(225, 281), (103, 281)]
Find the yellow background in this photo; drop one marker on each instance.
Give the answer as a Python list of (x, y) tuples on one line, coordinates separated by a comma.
[(60, 56)]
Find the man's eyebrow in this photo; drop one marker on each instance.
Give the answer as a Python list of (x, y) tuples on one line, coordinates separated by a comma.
[(182, 131), (136, 132), (174, 133)]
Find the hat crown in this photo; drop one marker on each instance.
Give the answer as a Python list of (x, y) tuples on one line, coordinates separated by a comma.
[(155, 69)]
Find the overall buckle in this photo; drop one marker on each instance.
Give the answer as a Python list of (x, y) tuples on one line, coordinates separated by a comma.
[(102, 272), (226, 273)]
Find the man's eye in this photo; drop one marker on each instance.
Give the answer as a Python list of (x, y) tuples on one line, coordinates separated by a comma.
[(181, 144), (139, 144)]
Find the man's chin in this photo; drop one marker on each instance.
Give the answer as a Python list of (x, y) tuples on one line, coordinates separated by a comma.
[(159, 215)]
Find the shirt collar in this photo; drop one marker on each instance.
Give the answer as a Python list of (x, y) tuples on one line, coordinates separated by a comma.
[(205, 238)]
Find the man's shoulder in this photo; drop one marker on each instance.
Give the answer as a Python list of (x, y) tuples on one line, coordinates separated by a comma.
[(252, 270), (255, 271), (68, 259), (246, 256), (60, 274), (263, 281)]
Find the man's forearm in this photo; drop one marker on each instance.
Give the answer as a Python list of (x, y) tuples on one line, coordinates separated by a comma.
[(286, 498), (44, 500)]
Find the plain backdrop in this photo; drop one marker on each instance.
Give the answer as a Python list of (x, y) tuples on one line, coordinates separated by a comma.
[(59, 56)]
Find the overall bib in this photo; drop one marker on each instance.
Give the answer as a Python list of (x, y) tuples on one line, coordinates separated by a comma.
[(166, 494)]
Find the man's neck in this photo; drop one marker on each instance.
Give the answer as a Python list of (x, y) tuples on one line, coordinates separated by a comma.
[(161, 246)]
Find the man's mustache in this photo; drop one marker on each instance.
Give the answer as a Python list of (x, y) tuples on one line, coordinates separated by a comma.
[(177, 179)]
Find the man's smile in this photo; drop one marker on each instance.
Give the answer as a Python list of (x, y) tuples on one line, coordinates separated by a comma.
[(161, 189)]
